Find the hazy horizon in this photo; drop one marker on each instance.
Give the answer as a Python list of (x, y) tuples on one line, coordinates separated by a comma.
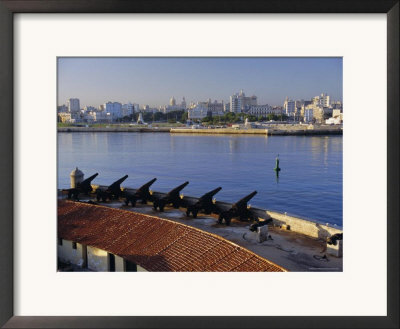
[(154, 80)]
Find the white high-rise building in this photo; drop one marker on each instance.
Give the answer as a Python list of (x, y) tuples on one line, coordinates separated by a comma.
[(236, 104), (289, 106), (73, 105), (239, 102), (324, 100)]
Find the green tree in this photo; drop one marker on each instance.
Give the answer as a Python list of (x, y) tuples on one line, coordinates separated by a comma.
[(207, 119), (184, 117)]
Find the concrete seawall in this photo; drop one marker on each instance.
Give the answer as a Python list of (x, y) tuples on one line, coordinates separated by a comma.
[(219, 131), (303, 226), (269, 132), (305, 132)]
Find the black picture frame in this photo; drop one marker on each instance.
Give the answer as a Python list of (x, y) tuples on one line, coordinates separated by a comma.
[(10, 7)]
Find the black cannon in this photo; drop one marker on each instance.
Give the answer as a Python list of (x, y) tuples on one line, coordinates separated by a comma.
[(238, 209), (172, 197), (334, 238), (205, 204), (112, 192), (84, 187), (253, 227), (142, 193)]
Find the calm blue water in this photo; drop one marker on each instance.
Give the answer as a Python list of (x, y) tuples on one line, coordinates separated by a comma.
[(309, 185)]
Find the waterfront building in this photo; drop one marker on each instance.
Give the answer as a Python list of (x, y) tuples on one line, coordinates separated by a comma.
[(89, 117), (308, 115), (64, 117), (127, 109), (198, 111), (236, 104), (173, 106), (318, 112), (240, 102), (337, 113), (278, 110), (62, 108), (99, 116), (214, 108), (337, 117), (261, 110), (170, 108), (89, 109), (336, 105), (114, 108), (298, 105), (73, 105), (333, 121), (289, 107), (323, 100)]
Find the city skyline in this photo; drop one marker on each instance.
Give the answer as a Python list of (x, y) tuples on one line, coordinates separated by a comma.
[(153, 81)]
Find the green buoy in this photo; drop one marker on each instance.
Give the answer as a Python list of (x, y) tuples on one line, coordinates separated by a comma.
[(277, 169)]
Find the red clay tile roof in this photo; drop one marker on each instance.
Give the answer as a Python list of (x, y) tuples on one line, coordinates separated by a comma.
[(154, 243)]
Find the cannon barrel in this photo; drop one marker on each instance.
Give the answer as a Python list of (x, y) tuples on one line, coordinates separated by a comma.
[(246, 199), (210, 194), (147, 185), (88, 180), (117, 182), (177, 189)]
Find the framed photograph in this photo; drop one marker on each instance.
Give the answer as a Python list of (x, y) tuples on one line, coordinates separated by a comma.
[(119, 116)]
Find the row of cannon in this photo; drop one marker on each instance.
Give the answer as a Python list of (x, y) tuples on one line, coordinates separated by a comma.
[(204, 204)]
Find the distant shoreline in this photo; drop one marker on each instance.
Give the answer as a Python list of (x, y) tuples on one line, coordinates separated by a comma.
[(289, 131)]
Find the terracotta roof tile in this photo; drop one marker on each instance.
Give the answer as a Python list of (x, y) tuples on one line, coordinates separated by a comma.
[(154, 243)]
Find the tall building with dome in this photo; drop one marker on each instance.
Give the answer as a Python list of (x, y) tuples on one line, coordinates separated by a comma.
[(173, 106)]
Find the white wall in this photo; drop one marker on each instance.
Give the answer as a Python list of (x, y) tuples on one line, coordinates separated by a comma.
[(67, 254), (97, 259)]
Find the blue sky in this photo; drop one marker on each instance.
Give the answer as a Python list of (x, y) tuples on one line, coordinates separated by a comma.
[(154, 81)]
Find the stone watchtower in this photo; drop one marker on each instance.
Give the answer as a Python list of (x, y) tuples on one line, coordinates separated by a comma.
[(76, 177)]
